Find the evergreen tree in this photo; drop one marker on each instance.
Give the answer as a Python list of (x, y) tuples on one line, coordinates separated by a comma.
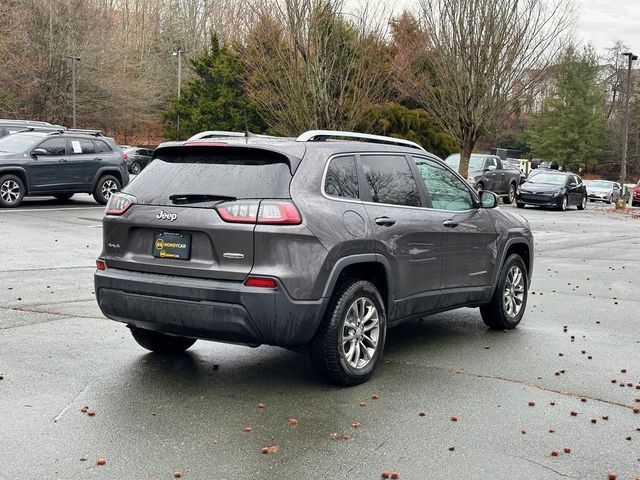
[(214, 99), (571, 128)]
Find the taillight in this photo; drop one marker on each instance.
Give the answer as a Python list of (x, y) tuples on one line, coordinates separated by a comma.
[(260, 282), (119, 203), (125, 155), (270, 212), (100, 265)]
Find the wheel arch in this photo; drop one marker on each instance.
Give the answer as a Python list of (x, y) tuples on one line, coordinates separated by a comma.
[(115, 172), (521, 247), (371, 267), (19, 172)]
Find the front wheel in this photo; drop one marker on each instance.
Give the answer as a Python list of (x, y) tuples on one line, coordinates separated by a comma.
[(564, 204), (582, 205), (106, 186), (160, 342), (509, 300), (350, 340), (11, 191)]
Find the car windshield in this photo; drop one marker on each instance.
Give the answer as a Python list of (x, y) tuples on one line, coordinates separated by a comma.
[(598, 184), (476, 162), (19, 142), (551, 178)]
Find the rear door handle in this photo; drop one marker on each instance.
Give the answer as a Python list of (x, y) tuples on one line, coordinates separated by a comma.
[(98, 159), (385, 221), (450, 223)]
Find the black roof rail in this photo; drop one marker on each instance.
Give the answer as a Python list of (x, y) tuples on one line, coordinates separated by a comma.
[(95, 133)]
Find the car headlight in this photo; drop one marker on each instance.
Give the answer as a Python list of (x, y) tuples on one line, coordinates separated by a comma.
[(559, 193)]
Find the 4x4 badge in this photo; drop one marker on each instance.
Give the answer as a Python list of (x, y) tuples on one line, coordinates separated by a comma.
[(166, 216)]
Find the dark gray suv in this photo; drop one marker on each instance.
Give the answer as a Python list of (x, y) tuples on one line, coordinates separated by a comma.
[(320, 242), (60, 163)]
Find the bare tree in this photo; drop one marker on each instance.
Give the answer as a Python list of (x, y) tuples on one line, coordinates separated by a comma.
[(310, 65), (485, 55)]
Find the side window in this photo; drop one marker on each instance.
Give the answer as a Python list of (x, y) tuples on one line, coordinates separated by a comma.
[(82, 146), (102, 147), (54, 146), (390, 180), (342, 178), (447, 191), (492, 162)]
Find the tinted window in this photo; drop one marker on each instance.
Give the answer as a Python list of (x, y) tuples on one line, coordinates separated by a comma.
[(81, 146), (342, 178), (390, 180), (102, 147), (446, 190), (54, 146), (234, 172)]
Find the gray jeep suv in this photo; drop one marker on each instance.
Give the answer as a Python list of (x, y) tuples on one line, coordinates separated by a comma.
[(60, 163), (305, 243)]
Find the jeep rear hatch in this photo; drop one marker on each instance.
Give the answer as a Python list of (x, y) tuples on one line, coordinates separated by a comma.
[(192, 211)]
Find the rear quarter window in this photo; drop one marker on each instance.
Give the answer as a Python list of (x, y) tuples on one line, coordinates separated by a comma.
[(342, 178), (242, 173)]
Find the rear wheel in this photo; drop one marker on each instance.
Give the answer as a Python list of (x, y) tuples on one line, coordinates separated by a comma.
[(509, 300), (135, 168), (160, 342), (511, 195), (106, 186), (63, 196), (350, 340), (583, 204), (11, 191)]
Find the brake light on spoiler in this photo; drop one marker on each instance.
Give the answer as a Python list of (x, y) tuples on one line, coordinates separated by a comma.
[(267, 212)]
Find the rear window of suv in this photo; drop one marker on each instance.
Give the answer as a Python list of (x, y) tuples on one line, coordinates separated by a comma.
[(240, 173)]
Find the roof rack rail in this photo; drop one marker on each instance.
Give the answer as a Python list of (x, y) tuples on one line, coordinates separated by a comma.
[(95, 133), (323, 135), (24, 122), (42, 128), (222, 134)]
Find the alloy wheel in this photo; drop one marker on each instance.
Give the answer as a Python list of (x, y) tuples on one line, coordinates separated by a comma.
[(10, 191), (360, 333), (109, 188), (513, 297)]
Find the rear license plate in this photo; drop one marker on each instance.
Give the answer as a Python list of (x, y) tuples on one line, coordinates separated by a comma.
[(175, 246)]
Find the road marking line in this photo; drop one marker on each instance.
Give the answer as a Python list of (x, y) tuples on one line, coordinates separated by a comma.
[(48, 209)]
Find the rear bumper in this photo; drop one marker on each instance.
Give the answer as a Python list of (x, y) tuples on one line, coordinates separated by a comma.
[(209, 309)]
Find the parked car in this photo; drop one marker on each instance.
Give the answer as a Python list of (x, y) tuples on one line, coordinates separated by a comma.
[(7, 127), (488, 172), (635, 202), (549, 166), (305, 243), (553, 189), (602, 190), (137, 158), (60, 164)]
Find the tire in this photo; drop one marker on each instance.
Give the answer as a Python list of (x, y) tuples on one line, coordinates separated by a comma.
[(511, 196), (479, 186), (346, 363), (159, 342), (135, 168), (106, 187), (635, 204), (11, 191), (502, 313), (609, 200), (520, 205), (564, 204), (582, 205), (63, 196)]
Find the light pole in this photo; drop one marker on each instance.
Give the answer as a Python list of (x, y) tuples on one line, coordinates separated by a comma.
[(179, 53), (623, 163), (74, 59)]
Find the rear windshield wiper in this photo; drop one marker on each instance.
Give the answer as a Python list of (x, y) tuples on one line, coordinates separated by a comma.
[(198, 197)]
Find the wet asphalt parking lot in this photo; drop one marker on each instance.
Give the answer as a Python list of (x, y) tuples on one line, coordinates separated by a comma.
[(512, 393)]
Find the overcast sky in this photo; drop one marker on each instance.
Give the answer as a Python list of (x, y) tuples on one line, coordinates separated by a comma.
[(600, 22)]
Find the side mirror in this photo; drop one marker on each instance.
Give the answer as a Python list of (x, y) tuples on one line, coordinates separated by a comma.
[(39, 151), (488, 199)]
